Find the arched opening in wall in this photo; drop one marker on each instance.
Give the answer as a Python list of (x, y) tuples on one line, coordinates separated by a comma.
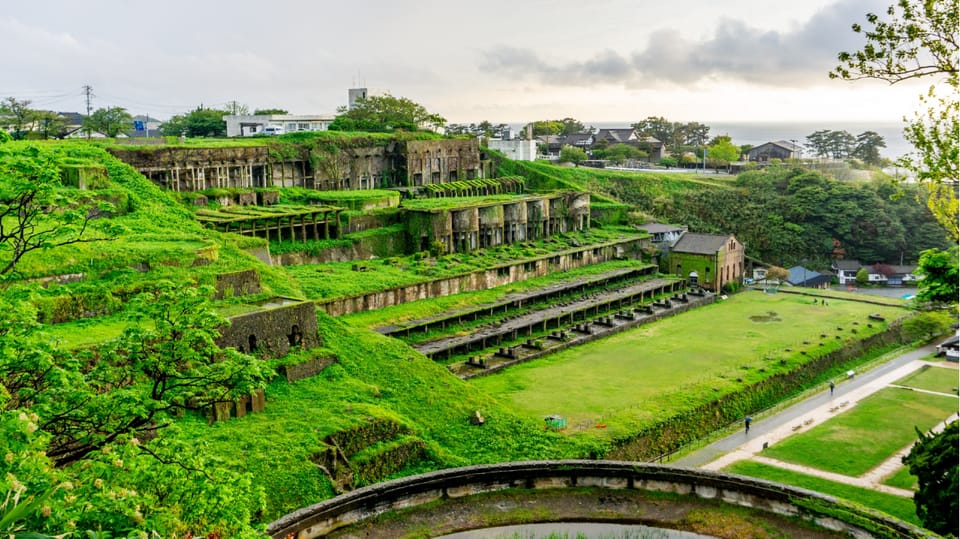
[(252, 341), (296, 336), (679, 270)]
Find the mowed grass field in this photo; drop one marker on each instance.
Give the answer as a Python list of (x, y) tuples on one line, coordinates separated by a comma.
[(930, 378), (856, 441), (635, 377)]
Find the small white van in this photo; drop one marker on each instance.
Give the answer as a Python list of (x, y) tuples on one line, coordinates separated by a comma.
[(272, 130)]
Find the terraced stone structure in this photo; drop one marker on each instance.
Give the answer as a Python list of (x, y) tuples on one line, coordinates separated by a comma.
[(466, 226), (324, 166)]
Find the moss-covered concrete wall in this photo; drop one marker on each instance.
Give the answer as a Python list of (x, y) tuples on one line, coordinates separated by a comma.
[(273, 330), (440, 161), (317, 165), (489, 278), (237, 283)]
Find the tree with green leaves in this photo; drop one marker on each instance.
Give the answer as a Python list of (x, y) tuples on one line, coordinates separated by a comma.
[(572, 154), (266, 112), (201, 122), (563, 128), (862, 277), (544, 128), (88, 434), (836, 144), (49, 124), (723, 152), (36, 212), (110, 121), (695, 133), (933, 459), (166, 362), (919, 39), (659, 128), (386, 113), (17, 116), (619, 153), (778, 274), (939, 276), (867, 147), (668, 162)]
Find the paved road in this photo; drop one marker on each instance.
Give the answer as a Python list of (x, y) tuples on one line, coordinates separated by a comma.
[(766, 425)]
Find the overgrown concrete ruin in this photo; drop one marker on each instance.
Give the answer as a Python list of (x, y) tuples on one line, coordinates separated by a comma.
[(325, 166)]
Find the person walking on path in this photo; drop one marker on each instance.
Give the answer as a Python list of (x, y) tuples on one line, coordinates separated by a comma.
[(831, 387), (746, 424)]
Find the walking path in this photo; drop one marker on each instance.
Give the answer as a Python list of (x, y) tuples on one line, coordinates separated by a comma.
[(813, 411)]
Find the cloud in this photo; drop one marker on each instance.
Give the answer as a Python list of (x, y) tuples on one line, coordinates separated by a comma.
[(800, 56)]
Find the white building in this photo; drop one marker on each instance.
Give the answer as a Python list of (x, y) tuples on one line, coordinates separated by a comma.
[(517, 149), (245, 125), (353, 94)]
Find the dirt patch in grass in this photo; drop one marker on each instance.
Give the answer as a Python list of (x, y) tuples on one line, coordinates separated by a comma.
[(769, 317)]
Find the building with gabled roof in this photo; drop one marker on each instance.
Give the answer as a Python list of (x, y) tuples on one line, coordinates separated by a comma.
[(806, 277), (780, 149), (713, 259), (617, 136)]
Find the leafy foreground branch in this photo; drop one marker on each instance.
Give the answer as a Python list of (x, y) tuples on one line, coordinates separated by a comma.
[(85, 439)]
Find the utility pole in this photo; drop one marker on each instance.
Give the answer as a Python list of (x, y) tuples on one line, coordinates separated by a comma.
[(88, 94)]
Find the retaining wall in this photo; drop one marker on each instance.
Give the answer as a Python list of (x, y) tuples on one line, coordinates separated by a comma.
[(365, 503), (484, 279)]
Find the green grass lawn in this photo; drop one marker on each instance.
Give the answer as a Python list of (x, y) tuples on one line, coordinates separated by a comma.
[(902, 479), (890, 504), (858, 440), (939, 379), (651, 372)]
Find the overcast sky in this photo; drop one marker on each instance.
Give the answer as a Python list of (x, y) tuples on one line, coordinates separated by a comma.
[(510, 61)]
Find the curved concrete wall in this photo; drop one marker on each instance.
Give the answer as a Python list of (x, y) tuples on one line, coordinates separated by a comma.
[(322, 518)]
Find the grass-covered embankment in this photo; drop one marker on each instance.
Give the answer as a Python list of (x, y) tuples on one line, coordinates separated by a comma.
[(375, 377)]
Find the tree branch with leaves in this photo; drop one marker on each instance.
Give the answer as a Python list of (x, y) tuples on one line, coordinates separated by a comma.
[(36, 213), (919, 39)]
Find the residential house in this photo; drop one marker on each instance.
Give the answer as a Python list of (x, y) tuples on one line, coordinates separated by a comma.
[(584, 141), (846, 271), (878, 274), (245, 125), (714, 259), (808, 278), (552, 142), (616, 136), (780, 149), (653, 147), (891, 275)]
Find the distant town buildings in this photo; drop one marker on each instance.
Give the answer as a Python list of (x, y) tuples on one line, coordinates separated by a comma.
[(245, 125)]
